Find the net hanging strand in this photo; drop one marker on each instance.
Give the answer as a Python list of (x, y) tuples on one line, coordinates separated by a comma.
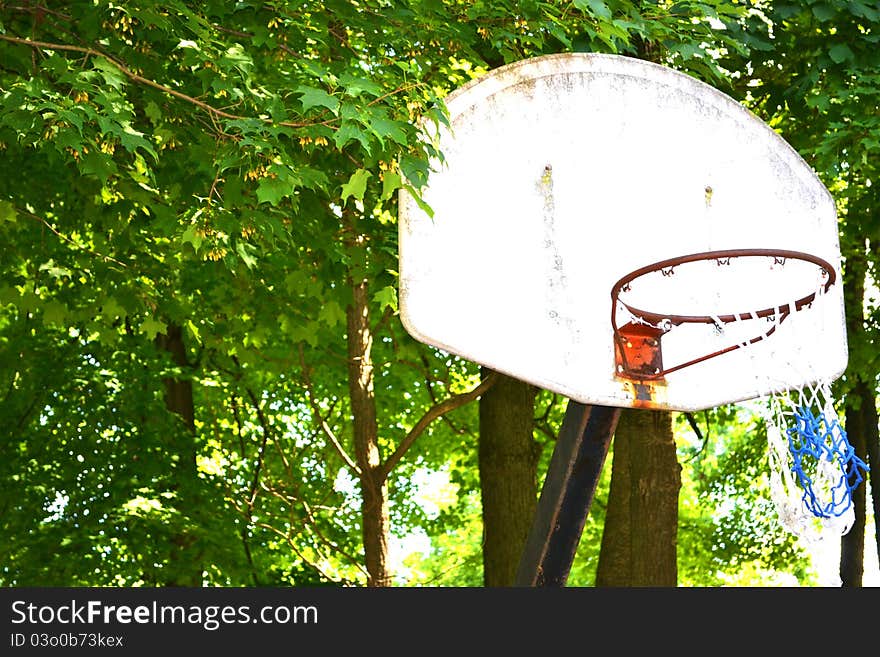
[(814, 469)]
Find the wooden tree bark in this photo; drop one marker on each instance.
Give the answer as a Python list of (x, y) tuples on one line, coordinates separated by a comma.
[(861, 425), (375, 518), (184, 558), (852, 544), (508, 464), (872, 441), (641, 523), (373, 482)]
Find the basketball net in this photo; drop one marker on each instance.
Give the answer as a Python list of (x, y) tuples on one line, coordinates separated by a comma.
[(813, 468)]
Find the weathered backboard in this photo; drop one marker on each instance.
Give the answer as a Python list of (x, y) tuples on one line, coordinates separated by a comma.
[(562, 176)]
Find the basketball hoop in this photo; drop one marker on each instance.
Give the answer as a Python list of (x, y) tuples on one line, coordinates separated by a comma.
[(637, 344), (813, 467)]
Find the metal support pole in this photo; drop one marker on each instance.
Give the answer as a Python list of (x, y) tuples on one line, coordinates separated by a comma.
[(567, 494)]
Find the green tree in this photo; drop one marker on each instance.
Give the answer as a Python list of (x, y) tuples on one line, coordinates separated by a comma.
[(207, 190)]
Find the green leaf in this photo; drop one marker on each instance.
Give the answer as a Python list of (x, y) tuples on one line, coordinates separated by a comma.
[(840, 53), (387, 128), (307, 332), (391, 182), (349, 132), (132, 140), (56, 64), (99, 165), (786, 10), (296, 281), (558, 32), (427, 209), (355, 86), (356, 185), (312, 178), (285, 323), (110, 72), (281, 182), (29, 302), (7, 211), (688, 50), (55, 271), (153, 112), (303, 283), (237, 57), (245, 250), (191, 236), (331, 314), (272, 190), (152, 327), (863, 10), (232, 191), (110, 309), (193, 330), (8, 294), (595, 7), (414, 169), (819, 101), (54, 312), (312, 97), (823, 12), (386, 297), (68, 138)]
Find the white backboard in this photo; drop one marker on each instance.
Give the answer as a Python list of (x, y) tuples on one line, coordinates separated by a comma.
[(563, 174)]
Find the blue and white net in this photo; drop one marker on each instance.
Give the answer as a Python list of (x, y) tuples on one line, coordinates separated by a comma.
[(813, 467)]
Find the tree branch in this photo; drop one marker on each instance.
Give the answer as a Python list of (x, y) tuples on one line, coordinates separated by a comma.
[(239, 431), (250, 35), (39, 11), (541, 423), (131, 75), (311, 523), (293, 546), (258, 467), (429, 387), (696, 429), (400, 89), (61, 236), (438, 410), (319, 419)]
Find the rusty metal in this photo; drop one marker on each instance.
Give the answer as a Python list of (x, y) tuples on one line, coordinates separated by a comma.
[(567, 494), (637, 350), (646, 393), (630, 363)]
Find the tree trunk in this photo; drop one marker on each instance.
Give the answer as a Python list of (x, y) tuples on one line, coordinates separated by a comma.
[(641, 524), (179, 393), (185, 569), (861, 424), (508, 463), (860, 403), (872, 440), (375, 520)]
